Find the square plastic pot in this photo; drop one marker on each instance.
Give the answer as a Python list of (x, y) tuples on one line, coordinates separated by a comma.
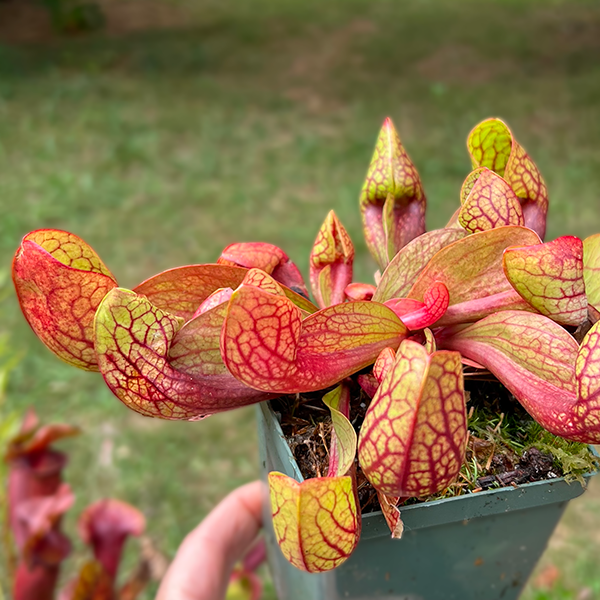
[(476, 546)]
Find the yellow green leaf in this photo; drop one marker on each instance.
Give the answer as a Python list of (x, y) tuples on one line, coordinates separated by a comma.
[(343, 437), (267, 345), (550, 278), (536, 359), (182, 290), (591, 269), (392, 201), (413, 439), (330, 262), (134, 340), (60, 282), (316, 522), (472, 270), (587, 372), (491, 144), (490, 203), (405, 267)]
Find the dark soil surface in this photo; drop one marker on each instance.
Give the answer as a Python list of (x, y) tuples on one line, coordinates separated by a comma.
[(306, 423)]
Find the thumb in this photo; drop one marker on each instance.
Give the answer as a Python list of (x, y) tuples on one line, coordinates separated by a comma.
[(205, 559)]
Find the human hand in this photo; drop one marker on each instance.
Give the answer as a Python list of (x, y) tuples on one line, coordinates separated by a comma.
[(204, 562)]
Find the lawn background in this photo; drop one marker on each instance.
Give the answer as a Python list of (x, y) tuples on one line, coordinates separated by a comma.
[(213, 122)]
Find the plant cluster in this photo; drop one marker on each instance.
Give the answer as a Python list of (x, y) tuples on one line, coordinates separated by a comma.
[(37, 500), (484, 292)]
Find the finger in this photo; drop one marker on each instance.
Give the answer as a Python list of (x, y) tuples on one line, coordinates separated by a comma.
[(205, 559)]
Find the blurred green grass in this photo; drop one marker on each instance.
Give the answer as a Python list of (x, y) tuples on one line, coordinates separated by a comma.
[(250, 123)]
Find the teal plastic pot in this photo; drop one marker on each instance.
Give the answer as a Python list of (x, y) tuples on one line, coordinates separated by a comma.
[(479, 546)]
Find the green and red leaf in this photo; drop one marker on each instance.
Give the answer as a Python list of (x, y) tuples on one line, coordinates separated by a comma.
[(587, 373), (330, 262), (182, 290), (253, 255), (267, 345), (472, 271), (469, 184), (591, 269), (60, 282), (550, 277), (391, 513), (535, 359), (491, 144), (406, 266), (342, 450), (316, 522), (490, 203), (392, 201), (161, 369), (385, 361), (413, 439)]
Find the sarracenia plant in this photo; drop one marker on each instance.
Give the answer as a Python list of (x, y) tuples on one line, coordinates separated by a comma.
[(37, 500), (484, 291)]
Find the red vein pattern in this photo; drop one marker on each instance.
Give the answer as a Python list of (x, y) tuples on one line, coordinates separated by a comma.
[(182, 290), (133, 340), (535, 359), (316, 522), (471, 269), (491, 144), (60, 281), (591, 269), (490, 203), (413, 439), (550, 277), (266, 344), (469, 182), (587, 372), (392, 201), (391, 513), (69, 249), (385, 361), (406, 266), (330, 262)]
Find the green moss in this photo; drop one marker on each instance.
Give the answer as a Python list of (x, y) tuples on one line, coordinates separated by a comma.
[(499, 424)]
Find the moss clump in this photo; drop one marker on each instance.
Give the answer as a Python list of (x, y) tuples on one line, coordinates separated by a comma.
[(502, 435)]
